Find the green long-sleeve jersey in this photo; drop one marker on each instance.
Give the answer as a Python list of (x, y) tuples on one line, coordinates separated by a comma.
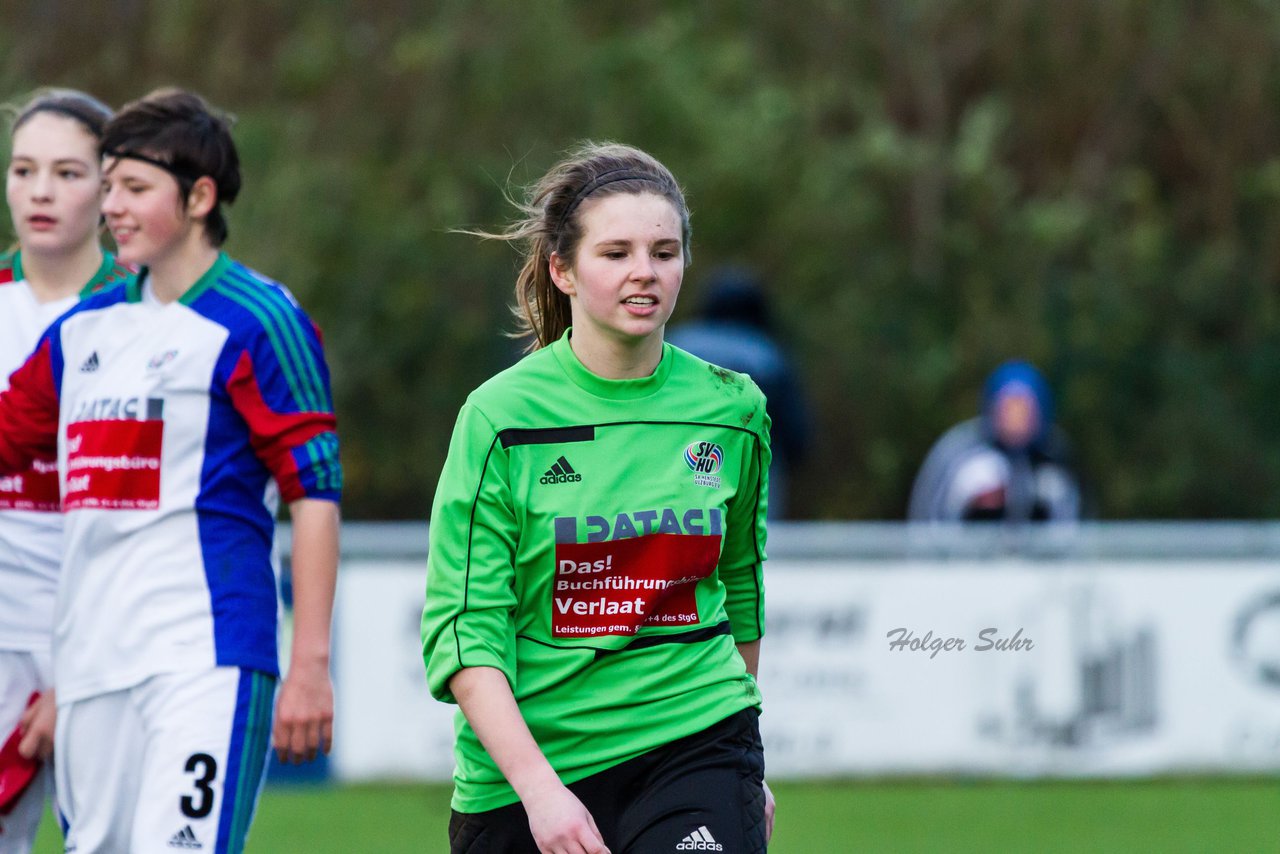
[(600, 542)]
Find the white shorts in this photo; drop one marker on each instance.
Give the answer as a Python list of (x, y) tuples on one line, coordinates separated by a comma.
[(173, 764), (21, 673)]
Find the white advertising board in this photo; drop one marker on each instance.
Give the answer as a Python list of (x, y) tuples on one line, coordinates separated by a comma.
[(1002, 667), (1022, 669), (386, 725)]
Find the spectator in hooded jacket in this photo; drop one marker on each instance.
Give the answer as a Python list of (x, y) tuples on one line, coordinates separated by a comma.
[(1009, 464)]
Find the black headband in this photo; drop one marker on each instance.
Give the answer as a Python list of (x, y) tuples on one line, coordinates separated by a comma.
[(173, 169), (604, 178)]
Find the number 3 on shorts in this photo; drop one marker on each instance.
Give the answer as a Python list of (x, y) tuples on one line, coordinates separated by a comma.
[(207, 767)]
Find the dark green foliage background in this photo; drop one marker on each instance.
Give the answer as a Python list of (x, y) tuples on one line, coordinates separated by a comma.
[(929, 187)]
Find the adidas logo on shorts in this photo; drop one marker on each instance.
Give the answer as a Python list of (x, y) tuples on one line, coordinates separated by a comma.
[(561, 472), (700, 840), (185, 839)]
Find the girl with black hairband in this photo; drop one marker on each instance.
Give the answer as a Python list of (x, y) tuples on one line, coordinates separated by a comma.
[(595, 595)]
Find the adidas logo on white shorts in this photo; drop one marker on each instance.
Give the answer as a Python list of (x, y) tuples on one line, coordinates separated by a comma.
[(700, 840), (186, 839)]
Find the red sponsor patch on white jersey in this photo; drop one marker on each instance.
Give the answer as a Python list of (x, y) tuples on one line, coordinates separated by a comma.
[(114, 465), (35, 489), (617, 586)]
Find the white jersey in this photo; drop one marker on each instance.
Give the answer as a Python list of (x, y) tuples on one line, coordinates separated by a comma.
[(30, 515), (177, 428)]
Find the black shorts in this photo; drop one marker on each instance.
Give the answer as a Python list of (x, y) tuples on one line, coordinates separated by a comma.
[(703, 792)]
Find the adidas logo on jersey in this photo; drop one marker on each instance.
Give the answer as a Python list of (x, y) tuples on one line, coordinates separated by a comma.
[(90, 364), (185, 839), (699, 840), (561, 472)]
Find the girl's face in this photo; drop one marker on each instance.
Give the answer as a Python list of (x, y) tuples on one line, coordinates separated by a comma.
[(145, 211), (54, 185), (624, 280)]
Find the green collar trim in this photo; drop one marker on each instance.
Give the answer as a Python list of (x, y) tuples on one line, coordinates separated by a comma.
[(207, 280), (628, 389)]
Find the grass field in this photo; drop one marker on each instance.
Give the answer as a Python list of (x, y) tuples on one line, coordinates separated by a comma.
[(1233, 816)]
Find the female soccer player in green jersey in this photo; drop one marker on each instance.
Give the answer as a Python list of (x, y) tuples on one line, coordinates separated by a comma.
[(595, 598)]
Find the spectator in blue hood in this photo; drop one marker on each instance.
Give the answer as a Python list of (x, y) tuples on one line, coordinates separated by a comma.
[(735, 330), (1009, 464)]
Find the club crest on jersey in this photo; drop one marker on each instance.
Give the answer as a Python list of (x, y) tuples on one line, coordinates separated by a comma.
[(159, 360), (705, 460)]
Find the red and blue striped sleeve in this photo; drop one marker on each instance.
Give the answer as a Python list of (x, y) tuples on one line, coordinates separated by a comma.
[(280, 386)]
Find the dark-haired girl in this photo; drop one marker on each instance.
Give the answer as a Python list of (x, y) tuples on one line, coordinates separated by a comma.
[(183, 404)]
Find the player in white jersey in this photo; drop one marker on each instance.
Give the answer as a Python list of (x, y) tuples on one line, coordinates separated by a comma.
[(183, 405), (53, 186)]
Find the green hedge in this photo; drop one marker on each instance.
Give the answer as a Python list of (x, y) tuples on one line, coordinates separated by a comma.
[(928, 187)]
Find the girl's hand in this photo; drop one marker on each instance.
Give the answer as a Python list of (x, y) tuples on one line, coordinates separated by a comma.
[(37, 724), (562, 825)]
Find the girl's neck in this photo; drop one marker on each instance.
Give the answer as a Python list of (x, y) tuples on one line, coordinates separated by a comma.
[(173, 275), (614, 360), (55, 277)]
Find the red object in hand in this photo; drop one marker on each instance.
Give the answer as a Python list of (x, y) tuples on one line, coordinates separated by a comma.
[(16, 771)]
